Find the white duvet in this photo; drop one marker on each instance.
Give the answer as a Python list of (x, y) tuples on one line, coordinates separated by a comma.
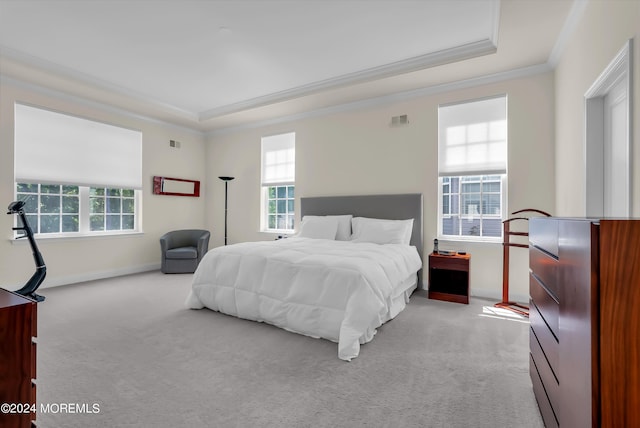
[(338, 290)]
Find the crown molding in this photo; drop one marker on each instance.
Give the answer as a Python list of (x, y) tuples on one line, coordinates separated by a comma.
[(459, 53), (392, 98), (69, 73), (362, 104), (575, 14), (63, 96)]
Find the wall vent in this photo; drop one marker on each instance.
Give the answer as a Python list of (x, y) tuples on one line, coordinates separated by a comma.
[(174, 143), (401, 120)]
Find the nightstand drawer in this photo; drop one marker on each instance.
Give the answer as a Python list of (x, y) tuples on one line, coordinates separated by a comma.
[(449, 262)]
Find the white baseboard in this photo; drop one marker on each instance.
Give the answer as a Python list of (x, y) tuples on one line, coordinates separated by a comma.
[(497, 296), (92, 276)]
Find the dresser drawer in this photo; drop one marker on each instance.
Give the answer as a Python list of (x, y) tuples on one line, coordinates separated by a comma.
[(34, 321), (34, 359), (549, 417), (547, 341), (34, 403), (543, 233), (545, 268), (546, 373), (547, 305)]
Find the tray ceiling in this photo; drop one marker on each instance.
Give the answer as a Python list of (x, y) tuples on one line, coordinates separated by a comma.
[(200, 63)]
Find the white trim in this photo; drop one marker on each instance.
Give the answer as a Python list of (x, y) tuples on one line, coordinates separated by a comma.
[(497, 295), (495, 22), (469, 238), (620, 68), (43, 237), (459, 53), (63, 96), (620, 64), (570, 24), (517, 73), (60, 70), (92, 276), (362, 104)]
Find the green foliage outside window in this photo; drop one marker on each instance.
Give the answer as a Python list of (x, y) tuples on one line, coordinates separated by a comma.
[(50, 208), (111, 209), (55, 208), (280, 207)]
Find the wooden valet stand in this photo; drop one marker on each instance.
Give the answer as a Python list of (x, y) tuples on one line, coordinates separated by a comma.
[(506, 245)]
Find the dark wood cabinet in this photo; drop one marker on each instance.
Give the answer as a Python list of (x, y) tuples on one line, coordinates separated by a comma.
[(585, 322), (449, 277), (18, 328)]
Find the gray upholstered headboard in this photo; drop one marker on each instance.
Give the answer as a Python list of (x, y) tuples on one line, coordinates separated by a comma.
[(392, 207)]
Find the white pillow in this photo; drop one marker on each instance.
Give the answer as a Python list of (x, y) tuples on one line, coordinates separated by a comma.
[(344, 225), (381, 231), (318, 228)]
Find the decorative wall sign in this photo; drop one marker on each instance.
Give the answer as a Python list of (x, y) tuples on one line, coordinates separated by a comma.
[(175, 186)]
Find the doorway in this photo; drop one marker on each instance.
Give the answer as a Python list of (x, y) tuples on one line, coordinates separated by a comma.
[(608, 139)]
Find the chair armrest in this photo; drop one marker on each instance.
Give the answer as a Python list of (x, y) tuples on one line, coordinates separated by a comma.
[(165, 242), (203, 245)]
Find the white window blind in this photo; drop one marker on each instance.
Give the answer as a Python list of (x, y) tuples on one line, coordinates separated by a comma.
[(279, 159), (472, 138), (56, 148)]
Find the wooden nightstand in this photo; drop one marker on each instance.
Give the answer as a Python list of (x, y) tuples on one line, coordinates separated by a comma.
[(449, 277)]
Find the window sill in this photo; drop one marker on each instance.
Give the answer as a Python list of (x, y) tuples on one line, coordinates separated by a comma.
[(65, 237), (279, 232), (473, 239)]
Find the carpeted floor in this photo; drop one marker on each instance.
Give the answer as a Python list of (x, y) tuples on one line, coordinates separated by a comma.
[(128, 346)]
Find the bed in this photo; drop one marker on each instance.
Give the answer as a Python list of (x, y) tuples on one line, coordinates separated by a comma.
[(326, 282)]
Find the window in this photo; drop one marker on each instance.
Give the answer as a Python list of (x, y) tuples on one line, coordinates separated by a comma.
[(472, 206), (280, 200), (50, 208), (472, 168), (76, 176), (58, 209), (111, 209), (278, 183)]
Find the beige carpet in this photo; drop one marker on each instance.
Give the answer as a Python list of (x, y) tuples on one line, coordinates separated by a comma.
[(129, 346)]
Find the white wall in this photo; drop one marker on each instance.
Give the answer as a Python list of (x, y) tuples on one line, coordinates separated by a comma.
[(603, 30), (357, 152), (77, 259)]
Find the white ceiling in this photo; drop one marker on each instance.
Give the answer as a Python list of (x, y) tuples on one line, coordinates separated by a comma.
[(215, 64)]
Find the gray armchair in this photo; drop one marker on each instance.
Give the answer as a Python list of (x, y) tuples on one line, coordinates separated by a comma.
[(182, 250)]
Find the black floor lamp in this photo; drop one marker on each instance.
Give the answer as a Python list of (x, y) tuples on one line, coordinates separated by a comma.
[(226, 182)]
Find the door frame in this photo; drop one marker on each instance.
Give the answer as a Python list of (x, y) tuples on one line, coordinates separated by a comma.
[(619, 69)]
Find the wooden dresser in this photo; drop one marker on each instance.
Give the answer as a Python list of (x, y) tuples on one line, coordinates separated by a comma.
[(18, 327), (585, 321)]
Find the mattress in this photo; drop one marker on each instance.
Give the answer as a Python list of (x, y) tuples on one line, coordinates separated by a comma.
[(337, 290)]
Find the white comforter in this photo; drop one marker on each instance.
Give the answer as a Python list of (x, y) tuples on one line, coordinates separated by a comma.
[(338, 290)]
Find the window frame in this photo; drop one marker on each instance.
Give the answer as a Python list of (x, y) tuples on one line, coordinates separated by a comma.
[(473, 238), (287, 213), (282, 141), (84, 213), (469, 119)]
